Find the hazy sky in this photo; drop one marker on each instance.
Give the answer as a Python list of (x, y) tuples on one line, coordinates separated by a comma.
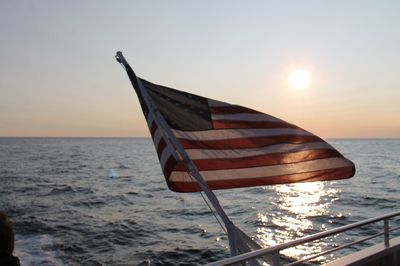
[(58, 75)]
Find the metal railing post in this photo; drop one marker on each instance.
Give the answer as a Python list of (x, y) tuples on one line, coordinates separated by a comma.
[(386, 232), (276, 259)]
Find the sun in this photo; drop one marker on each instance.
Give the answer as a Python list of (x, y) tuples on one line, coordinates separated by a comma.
[(299, 79)]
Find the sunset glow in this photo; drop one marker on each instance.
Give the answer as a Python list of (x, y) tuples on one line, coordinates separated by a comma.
[(320, 69), (299, 79)]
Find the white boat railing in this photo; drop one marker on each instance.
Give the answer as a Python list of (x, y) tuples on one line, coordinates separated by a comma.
[(275, 250)]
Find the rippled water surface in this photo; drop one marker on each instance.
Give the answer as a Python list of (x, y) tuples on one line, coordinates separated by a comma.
[(105, 202)]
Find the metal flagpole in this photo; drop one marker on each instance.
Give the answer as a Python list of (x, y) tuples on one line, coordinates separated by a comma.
[(231, 229)]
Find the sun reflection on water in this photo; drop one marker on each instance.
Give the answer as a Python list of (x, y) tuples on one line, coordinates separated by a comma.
[(296, 212)]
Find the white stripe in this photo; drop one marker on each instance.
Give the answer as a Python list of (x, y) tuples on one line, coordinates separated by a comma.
[(266, 171), (215, 103), (166, 153), (170, 150), (238, 153), (246, 117), (150, 119), (183, 177), (157, 137), (238, 133)]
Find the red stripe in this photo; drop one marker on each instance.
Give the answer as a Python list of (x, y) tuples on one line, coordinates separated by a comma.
[(153, 128), (244, 143), (169, 166), (232, 109), (231, 124), (261, 160), (161, 147), (323, 175)]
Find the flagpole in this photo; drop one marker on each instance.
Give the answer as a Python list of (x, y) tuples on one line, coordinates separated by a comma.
[(231, 229)]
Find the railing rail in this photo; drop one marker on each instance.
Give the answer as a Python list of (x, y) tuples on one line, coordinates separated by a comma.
[(276, 249)]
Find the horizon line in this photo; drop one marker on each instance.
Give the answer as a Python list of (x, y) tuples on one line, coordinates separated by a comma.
[(148, 137)]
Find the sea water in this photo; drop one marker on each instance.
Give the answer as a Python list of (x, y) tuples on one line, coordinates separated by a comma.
[(103, 201)]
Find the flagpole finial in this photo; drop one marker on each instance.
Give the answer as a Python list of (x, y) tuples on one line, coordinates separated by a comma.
[(121, 59)]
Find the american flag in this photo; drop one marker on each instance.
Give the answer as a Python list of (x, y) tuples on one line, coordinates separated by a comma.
[(233, 146)]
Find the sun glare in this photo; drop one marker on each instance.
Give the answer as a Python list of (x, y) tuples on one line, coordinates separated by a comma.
[(299, 79)]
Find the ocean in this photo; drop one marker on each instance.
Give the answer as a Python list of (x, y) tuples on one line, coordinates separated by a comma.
[(104, 201)]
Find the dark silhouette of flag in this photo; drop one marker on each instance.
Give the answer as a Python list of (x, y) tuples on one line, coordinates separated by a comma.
[(233, 146)]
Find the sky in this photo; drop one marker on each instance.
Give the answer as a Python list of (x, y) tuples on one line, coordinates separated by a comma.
[(59, 77)]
